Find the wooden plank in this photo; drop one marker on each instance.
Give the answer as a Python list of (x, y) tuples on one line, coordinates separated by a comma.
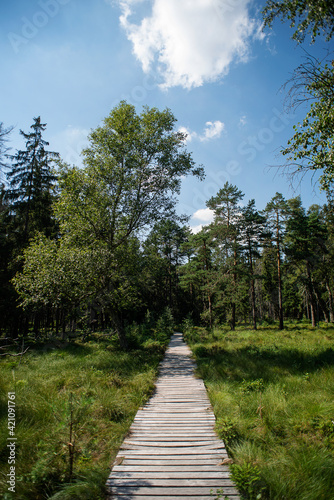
[(172, 492), (180, 496), (171, 444), (177, 497), (167, 483), (177, 452), (168, 428), (170, 469), (135, 474), (190, 461), (168, 438)]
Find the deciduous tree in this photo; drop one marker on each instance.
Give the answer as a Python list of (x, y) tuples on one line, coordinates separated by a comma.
[(314, 17), (312, 146), (132, 170)]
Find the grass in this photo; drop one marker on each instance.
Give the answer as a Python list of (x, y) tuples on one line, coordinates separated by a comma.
[(273, 396), (92, 387)]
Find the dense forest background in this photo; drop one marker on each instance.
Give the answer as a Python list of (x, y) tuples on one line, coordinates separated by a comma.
[(102, 246)]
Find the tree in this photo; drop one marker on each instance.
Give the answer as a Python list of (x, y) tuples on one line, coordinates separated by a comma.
[(70, 282), (276, 214), (197, 275), (307, 16), (225, 229), (312, 145), (328, 258), (306, 237), (4, 135), (164, 255), (30, 184), (253, 234), (132, 169)]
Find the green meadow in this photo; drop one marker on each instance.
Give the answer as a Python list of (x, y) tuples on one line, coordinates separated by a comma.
[(273, 396), (272, 393), (74, 404)]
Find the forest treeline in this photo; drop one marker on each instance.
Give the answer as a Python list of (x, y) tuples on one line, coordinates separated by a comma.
[(102, 245)]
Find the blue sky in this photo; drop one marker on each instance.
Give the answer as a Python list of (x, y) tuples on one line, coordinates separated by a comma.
[(72, 61)]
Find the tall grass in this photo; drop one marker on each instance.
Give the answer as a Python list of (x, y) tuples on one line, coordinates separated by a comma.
[(273, 396), (93, 388)]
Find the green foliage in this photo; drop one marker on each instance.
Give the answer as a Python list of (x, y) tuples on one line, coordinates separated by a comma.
[(133, 167), (163, 252), (4, 136), (248, 479), (307, 16), (251, 386), (31, 183), (311, 146), (228, 430), (152, 334)]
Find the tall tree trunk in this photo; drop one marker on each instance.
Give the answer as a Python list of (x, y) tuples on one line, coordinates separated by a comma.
[(234, 286), (253, 304), (311, 295), (209, 295), (330, 303), (252, 290), (280, 301), (233, 316), (57, 321)]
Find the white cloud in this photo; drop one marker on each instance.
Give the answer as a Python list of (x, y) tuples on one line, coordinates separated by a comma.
[(196, 229), (190, 41), (213, 130), (204, 216)]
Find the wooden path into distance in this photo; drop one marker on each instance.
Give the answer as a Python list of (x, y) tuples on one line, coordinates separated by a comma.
[(172, 451)]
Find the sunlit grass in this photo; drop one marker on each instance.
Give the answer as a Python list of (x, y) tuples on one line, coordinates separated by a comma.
[(273, 396)]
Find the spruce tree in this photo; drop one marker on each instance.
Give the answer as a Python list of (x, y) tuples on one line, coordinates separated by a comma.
[(30, 185), (4, 134)]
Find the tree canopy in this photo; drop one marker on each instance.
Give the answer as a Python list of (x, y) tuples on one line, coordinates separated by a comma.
[(312, 145), (133, 168), (314, 17)]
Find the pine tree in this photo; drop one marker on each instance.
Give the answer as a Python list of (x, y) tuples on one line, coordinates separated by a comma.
[(30, 185), (276, 213), (253, 234), (306, 241), (225, 230)]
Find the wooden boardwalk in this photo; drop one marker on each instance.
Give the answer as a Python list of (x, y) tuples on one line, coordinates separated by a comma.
[(172, 450)]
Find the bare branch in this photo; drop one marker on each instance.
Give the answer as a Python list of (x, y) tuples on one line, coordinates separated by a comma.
[(18, 354)]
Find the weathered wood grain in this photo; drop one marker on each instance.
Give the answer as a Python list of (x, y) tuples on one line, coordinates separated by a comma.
[(172, 450)]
